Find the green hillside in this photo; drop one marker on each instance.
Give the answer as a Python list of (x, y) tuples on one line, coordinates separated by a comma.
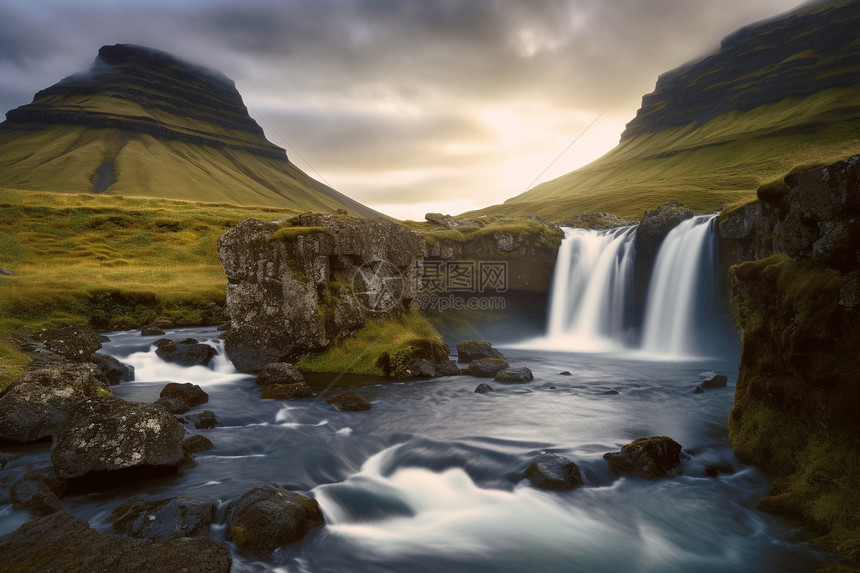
[(142, 123), (776, 94)]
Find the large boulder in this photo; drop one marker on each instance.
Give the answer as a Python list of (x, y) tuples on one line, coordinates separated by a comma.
[(552, 471), (271, 516), (76, 343), (111, 369), (37, 404), (108, 434), (646, 457), (514, 375), (163, 518), (61, 542), (296, 286), (470, 350), (187, 352)]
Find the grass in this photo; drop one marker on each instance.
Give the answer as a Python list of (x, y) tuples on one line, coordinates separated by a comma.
[(706, 167), (359, 354), (488, 226)]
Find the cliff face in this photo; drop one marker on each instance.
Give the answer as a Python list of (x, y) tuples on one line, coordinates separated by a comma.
[(296, 286), (796, 55), (797, 393), (142, 122)]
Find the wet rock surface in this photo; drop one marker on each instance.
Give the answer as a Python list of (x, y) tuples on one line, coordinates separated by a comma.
[(552, 471), (163, 519), (350, 402), (647, 457)]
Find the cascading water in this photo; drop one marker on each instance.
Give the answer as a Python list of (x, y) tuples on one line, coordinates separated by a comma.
[(590, 292), (593, 302), (681, 296)]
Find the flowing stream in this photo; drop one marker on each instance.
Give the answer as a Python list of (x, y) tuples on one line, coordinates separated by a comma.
[(432, 478)]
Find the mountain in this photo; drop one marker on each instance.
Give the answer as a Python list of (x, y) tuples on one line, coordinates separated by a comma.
[(141, 122), (777, 93)]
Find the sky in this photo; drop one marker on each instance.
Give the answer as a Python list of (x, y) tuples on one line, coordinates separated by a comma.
[(408, 106)]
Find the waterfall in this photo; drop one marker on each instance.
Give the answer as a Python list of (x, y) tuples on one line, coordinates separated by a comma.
[(681, 296), (590, 302), (593, 301)]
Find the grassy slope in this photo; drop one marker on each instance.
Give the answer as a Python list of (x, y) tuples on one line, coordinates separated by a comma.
[(64, 158), (705, 167)]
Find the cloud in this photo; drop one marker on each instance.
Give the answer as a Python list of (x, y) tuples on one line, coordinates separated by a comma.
[(451, 92)]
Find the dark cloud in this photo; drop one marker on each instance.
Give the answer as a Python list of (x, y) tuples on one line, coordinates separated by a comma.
[(359, 86)]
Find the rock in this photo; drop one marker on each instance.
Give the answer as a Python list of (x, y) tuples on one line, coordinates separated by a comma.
[(3, 461), (514, 375), (163, 518), (7, 272), (179, 398), (197, 443), (112, 369), (205, 420), (184, 353), (151, 331), (657, 223), (699, 390), (36, 405), (440, 220), (74, 547), (470, 350), (271, 516), (279, 373), (599, 220), (298, 285), (38, 492), (447, 368), (483, 389), (710, 380), (565, 373), (108, 434), (350, 402), (646, 457), (287, 391), (75, 343), (552, 471), (486, 367), (416, 359), (612, 392)]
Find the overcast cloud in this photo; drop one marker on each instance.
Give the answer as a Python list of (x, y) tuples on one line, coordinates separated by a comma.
[(404, 105)]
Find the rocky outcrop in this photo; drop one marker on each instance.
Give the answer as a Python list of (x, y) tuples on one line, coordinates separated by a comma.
[(470, 350), (296, 286), (271, 516), (814, 219), (75, 343), (655, 225), (61, 542), (647, 457), (796, 396), (37, 404), (108, 434)]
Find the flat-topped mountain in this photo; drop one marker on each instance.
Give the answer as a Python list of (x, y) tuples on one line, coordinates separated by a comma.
[(142, 122), (776, 94)]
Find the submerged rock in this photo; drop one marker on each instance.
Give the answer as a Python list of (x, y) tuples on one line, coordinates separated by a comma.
[(470, 350), (37, 404), (647, 457), (514, 375), (151, 331), (185, 353), (108, 434), (205, 420), (163, 518), (287, 391), (710, 380), (552, 471), (486, 367), (279, 373), (350, 402), (197, 443), (61, 542), (271, 516), (484, 388)]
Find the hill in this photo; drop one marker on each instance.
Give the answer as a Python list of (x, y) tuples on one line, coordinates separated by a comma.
[(141, 122), (778, 93)]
